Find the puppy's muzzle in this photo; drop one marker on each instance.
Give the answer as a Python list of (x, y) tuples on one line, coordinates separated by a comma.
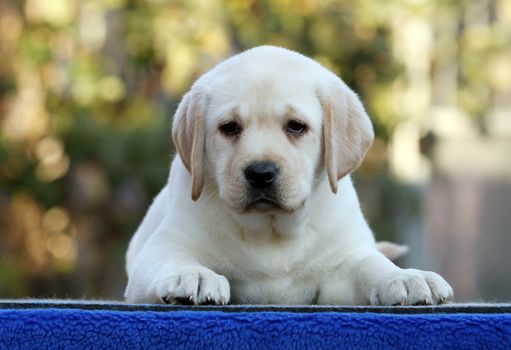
[(261, 175)]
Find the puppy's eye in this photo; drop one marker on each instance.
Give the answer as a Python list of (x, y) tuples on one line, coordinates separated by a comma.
[(230, 128), (295, 127)]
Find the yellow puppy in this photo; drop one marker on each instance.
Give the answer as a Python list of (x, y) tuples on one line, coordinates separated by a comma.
[(259, 206)]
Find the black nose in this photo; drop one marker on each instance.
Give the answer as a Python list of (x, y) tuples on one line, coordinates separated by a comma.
[(261, 174)]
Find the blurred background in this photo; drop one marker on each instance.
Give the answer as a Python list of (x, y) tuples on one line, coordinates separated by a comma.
[(88, 89)]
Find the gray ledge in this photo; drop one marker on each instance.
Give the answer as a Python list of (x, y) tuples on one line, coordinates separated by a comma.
[(468, 308)]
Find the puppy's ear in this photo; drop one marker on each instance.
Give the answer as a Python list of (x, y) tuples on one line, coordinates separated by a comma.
[(347, 130), (189, 136)]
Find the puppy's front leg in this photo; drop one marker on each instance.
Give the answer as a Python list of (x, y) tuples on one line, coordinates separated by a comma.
[(166, 273), (190, 284), (383, 283)]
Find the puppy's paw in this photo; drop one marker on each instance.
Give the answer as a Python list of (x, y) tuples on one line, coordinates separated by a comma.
[(411, 287), (192, 285)]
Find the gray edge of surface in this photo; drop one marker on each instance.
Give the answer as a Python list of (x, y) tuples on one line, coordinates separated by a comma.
[(471, 308)]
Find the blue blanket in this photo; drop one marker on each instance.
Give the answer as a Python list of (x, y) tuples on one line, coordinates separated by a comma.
[(74, 328)]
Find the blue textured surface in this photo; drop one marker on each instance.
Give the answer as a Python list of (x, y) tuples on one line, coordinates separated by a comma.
[(100, 329)]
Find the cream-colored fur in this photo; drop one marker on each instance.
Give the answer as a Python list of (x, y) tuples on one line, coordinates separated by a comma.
[(205, 239)]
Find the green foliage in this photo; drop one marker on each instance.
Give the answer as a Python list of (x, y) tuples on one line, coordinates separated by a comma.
[(88, 88)]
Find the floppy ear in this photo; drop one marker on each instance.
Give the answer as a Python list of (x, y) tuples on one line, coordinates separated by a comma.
[(347, 131), (189, 136)]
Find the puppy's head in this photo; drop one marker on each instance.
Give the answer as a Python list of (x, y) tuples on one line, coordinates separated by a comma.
[(264, 127)]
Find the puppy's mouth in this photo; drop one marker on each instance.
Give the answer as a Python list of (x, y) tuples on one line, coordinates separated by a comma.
[(263, 204)]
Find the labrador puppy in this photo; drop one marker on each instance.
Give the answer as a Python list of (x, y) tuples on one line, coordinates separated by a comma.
[(259, 207)]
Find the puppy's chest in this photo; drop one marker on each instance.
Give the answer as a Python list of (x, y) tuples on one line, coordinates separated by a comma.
[(275, 277), (273, 290)]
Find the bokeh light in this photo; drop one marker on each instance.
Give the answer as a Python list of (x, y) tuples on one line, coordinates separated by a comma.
[(88, 88)]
